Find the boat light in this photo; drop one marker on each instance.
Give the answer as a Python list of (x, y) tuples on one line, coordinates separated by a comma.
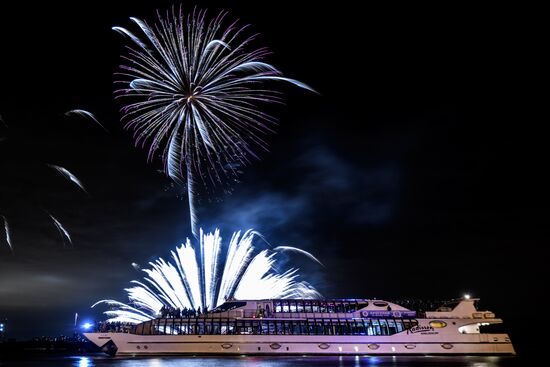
[(87, 325), (467, 296)]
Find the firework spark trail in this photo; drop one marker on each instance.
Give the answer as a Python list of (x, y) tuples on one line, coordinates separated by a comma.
[(125, 313), (210, 246), (244, 277), (68, 175), (296, 249), (85, 114), (194, 89), (62, 231), (7, 233), (238, 257)]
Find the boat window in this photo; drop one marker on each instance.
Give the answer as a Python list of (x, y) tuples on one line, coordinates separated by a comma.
[(399, 325), (320, 326), (315, 306), (384, 327), (361, 305), (286, 307), (363, 327), (375, 327), (392, 328), (380, 304), (345, 306), (289, 328)]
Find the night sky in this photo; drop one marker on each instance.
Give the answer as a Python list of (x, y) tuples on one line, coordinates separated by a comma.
[(415, 173)]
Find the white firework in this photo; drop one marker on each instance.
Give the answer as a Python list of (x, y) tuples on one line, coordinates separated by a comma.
[(184, 284), (193, 89)]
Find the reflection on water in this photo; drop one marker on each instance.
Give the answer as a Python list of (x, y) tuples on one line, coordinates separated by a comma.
[(84, 362), (273, 361)]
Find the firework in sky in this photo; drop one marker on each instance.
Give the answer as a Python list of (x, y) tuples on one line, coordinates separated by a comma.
[(85, 114), (68, 175), (7, 233), (5, 226), (239, 271), (62, 231), (192, 89)]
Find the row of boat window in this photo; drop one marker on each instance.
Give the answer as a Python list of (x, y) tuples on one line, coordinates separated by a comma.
[(206, 326), (318, 306)]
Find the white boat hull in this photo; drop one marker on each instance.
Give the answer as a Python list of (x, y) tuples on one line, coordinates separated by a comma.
[(130, 344)]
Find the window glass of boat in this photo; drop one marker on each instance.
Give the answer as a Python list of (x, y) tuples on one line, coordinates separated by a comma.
[(359, 328), (375, 325), (399, 325), (289, 328), (384, 327), (392, 327), (285, 306)]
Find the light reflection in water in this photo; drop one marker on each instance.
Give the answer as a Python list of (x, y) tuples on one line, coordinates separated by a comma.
[(84, 362), (289, 361)]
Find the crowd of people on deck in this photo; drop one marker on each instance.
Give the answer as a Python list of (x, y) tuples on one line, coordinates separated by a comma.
[(119, 327), (176, 313)]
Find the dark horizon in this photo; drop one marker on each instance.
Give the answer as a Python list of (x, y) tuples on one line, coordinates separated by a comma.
[(413, 174)]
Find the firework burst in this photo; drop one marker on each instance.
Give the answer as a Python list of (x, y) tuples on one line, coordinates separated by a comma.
[(240, 272), (193, 88)]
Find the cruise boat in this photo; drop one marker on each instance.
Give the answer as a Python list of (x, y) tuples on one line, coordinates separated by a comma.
[(314, 327)]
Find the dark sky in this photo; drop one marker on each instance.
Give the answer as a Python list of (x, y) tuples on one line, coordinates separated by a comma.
[(417, 171)]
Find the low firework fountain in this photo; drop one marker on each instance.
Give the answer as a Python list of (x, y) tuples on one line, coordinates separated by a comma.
[(207, 277)]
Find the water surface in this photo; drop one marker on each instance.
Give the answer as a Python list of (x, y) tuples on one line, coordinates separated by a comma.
[(267, 361)]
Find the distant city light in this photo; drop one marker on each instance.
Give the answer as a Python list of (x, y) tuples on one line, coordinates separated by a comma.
[(467, 296), (87, 325)]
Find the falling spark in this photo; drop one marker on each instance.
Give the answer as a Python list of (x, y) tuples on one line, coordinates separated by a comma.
[(184, 283), (65, 172), (295, 249), (136, 266), (7, 231), (85, 114), (62, 231), (194, 88)]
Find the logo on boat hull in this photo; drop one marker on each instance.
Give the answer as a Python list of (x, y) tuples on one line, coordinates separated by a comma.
[(422, 330)]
